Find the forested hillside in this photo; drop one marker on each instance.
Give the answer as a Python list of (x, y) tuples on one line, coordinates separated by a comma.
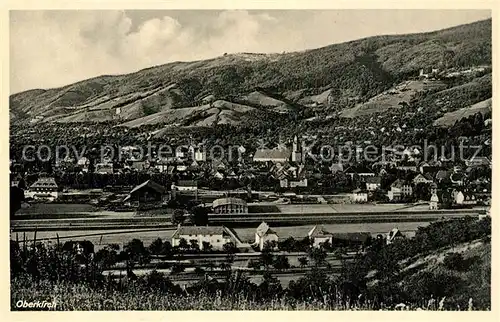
[(346, 74)]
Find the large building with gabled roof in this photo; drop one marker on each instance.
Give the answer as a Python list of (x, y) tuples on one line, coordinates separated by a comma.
[(148, 192)]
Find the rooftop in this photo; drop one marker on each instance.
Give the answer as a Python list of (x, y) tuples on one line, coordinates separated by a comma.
[(272, 154), (264, 229), (199, 230), (229, 201)]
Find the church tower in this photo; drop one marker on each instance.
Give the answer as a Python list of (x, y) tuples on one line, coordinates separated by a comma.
[(296, 150)]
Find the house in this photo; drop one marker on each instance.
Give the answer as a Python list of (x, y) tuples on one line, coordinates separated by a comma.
[(138, 165), (458, 197), (428, 72), (421, 178), (394, 235), (272, 155), (230, 206), (433, 202), (264, 234), (104, 168), (185, 185), (197, 153), (215, 236), (373, 183), (319, 235), (148, 192), (220, 165), (350, 238), (182, 153), (217, 175), (359, 196), (399, 190), (360, 171), (336, 167), (18, 182), (442, 175), (83, 163), (45, 188), (412, 168), (286, 183)]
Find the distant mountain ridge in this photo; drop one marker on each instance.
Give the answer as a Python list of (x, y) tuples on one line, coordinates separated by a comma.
[(282, 83)]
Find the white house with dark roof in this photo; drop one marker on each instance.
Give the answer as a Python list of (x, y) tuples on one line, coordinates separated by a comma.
[(264, 234), (216, 236), (185, 185), (373, 183), (394, 235), (399, 189), (422, 178), (433, 202), (319, 235), (45, 188)]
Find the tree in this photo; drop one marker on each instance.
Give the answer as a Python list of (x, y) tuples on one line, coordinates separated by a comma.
[(193, 243), (303, 261), (288, 245), (230, 249), (199, 215), (281, 262), (166, 249), (177, 268), (183, 244), (206, 247), (107, 256), (178, 216), (136, 252), (266, 256), (156, 247), (317, 255), (16, 199)]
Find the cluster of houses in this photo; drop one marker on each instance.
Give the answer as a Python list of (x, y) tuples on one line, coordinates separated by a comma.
[(285, 163), (215, 237)]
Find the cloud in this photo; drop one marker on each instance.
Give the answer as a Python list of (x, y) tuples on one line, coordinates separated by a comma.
[(56, 48), (50, 49)]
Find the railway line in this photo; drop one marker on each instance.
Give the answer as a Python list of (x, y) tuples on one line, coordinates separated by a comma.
[(240, 220)]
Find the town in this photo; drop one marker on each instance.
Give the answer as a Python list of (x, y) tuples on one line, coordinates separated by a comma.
[(343, 177)]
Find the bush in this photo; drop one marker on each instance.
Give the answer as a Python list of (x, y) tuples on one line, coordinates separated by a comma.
[(177, 268), (199, 271), (454, 261)]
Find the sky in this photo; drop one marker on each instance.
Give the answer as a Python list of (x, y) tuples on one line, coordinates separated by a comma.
[(55, 48)]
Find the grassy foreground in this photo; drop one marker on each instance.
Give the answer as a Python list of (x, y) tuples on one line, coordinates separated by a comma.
[(73, 297)]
